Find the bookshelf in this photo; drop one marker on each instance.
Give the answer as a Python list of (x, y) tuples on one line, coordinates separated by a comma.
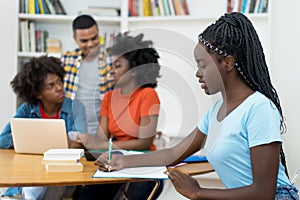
[(59, 26), (176, 51)]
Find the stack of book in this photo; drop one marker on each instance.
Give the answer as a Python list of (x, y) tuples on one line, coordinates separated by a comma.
[(63, 160), (53, 45), (101, 11)]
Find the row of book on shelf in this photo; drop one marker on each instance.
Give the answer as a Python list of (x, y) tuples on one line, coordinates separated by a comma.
[(247, 6), (32, 39), (157, 7), (36, 40), (42, 7)]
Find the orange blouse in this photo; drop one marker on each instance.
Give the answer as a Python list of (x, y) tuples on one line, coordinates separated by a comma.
[(124, 112)]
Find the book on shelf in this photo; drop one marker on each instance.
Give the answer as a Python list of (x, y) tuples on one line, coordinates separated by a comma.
[(31, 7), (146, 9), (78, 167), (41, 6), (185, 7), (161, 8), (37, 7), (247, 6), (23, 6), (101, 11), (177, 7), (24, 36), (32, 38), (41, 36), (58, 7), (157, 7), (171, 6), (49, 6)]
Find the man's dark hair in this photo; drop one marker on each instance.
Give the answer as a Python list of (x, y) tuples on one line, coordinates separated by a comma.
[(29, 81), (83, 22)]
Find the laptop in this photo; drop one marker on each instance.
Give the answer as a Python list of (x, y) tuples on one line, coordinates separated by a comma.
[(35, 136)]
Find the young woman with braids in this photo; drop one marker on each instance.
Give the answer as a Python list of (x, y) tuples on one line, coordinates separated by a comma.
[(241, 131), (129, 113)]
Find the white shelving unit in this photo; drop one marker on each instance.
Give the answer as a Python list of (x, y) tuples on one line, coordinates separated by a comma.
[(60, 25)]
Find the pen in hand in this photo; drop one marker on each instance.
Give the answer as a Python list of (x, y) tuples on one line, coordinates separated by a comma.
[(109, 152)]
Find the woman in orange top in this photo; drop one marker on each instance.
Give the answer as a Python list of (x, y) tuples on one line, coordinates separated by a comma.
[(129, 113)]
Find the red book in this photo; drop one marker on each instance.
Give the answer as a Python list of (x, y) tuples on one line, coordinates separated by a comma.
[(185, 7)]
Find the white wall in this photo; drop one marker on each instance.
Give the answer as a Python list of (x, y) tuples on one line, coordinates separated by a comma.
[(286, 71), (8, 48)]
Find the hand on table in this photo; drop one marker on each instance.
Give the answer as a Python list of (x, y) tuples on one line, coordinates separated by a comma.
[(184, 183)]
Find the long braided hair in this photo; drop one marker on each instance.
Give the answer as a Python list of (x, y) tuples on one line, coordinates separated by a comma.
[(233, 34)]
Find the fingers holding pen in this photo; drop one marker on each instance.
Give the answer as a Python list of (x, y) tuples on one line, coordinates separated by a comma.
[(106, 164)]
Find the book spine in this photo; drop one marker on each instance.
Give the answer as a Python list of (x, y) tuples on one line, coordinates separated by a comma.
[(50, 6), (58, 7), (32, 36), (265, 6), (31, 6), (153, 7), (177, 7), (42, 10), (185, 7), (161, 8), (25, 35), (171, 5), (147, 8), (229, 6), (46, 7), (37, 8), (38, 41), (22, 6)]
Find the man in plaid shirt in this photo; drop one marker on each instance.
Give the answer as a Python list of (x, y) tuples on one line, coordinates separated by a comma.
[(87, 69)]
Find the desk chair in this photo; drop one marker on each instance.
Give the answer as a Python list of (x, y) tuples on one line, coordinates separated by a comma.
[(296, 180), (160, 142)]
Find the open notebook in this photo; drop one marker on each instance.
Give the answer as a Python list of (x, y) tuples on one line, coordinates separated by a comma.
[(136, 172), (35, 136)]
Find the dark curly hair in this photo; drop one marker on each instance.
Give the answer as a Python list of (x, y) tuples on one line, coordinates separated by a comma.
[(140, 55), (28, 83)]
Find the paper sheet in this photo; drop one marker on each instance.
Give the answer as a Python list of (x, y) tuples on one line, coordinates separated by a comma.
[(136, 172)]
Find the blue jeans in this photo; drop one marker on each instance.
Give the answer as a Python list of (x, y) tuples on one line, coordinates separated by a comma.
[(286, 192)]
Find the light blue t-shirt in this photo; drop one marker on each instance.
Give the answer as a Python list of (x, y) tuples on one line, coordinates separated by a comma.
[(254, 122)]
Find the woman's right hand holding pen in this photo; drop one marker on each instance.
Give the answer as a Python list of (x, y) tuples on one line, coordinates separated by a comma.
[(104, 164)]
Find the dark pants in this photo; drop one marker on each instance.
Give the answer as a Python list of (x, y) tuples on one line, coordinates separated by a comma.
[(135, 191)]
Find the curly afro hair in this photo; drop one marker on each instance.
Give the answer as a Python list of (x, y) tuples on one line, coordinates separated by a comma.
[(28, 83), (140, 55)]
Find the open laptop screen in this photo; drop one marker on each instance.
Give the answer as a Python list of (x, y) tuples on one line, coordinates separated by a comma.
[(35, 136)]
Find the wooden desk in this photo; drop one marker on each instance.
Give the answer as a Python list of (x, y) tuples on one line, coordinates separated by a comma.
[(27, 170)]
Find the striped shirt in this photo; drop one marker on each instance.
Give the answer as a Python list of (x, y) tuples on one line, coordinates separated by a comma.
[(71, 61)]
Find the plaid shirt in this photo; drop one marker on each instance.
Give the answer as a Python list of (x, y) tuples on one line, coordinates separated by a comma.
[(71, 62)]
